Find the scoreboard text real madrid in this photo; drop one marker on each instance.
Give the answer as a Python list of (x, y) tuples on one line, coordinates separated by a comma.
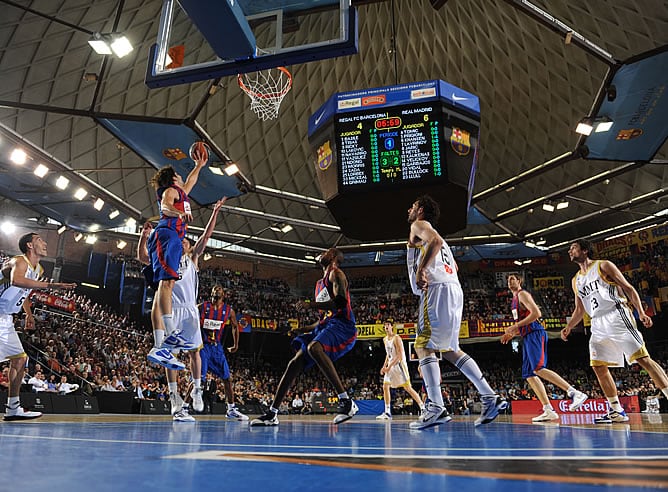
[(396, 142)]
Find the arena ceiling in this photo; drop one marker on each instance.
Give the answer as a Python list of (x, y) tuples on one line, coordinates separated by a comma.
[(533, 88)]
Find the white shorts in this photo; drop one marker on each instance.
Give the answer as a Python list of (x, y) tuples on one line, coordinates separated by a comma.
[(614, 336), (397, 376), (186, 320), (440, 317), (10, 344)]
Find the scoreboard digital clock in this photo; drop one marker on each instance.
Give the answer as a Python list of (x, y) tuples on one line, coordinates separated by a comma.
[(376, 150)]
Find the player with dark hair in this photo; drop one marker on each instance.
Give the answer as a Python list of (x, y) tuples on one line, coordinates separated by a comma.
[(603, 292), (21, 278), (165, 249), (432, 271), (395, 370), (534, 350), (329, 339), (213, 316)]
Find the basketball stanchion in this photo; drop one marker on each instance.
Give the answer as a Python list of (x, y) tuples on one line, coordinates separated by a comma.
[(266, 90)]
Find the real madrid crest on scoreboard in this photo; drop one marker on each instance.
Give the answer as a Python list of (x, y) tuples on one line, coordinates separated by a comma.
[(376, 150)]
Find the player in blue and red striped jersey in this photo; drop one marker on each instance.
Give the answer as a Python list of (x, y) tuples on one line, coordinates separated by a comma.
[(534, 350), (214, 315), (165, 249), (330, 338)]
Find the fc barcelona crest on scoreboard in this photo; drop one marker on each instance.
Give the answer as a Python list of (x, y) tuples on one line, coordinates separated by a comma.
[(460, 140), (324, 156)]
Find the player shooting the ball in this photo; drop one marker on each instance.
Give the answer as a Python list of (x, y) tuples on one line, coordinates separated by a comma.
[(165, 249)]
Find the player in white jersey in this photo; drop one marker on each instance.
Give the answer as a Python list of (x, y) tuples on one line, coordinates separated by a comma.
[(395, 370), (604, 294), (15, 288), (433, 276), (186, 315)]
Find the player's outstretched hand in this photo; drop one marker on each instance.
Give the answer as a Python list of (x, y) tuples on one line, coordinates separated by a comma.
[(564, 333)]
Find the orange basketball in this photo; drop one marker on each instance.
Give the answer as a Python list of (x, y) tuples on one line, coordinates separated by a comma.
[(200, 148)]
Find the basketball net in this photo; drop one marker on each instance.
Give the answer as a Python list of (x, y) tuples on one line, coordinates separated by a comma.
[(266, 90)]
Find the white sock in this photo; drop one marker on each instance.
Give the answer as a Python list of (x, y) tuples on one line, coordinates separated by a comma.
[(614, 404), (197, 383), (387, 409), (158, 337), (230, 406), (431, 373), (470, 369), (548, 407), (570, 391), (168, 321), (275, 410), (13, 402)]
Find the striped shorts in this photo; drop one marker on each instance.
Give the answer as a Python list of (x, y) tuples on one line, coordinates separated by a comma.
[(614, 337)]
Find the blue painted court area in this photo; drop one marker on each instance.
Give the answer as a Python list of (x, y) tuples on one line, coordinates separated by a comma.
[(153, 453)]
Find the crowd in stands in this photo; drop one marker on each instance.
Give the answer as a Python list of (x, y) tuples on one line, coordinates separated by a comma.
[(99, 350)]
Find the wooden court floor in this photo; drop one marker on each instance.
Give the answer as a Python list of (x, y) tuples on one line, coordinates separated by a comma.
[(114, 452)]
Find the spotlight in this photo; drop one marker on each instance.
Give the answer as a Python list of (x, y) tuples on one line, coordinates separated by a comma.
[(206, 257), (62, 182), (231, 169), (114, 214), (562, 205), (80, 194), (100, 44), (7, 227), (286, 228), (548, 207), (121, 46), (62, 229), (99, 203), (18, 156), (78, 236), (584, 127), (603, 124), (41, 170), (121, 244), (131, 223), (517, 262), (91, 239), (106, 44)]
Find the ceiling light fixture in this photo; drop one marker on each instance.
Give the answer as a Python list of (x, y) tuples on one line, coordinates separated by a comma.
[(106, 44), (603, 124), (114, 214), (80, 194), (548, 207), (18, 156), (231, 169), (91, 239), (62, 229), (584, 127), (62, 182), (99, 203), (41, 170), (131, 222), (121, 244), (562, 205), (78, 236)]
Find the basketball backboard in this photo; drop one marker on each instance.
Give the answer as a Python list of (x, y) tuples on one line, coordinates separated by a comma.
[(206, 40)]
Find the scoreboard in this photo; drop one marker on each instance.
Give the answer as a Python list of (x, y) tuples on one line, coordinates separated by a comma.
[(377, 150), (389, 148)]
